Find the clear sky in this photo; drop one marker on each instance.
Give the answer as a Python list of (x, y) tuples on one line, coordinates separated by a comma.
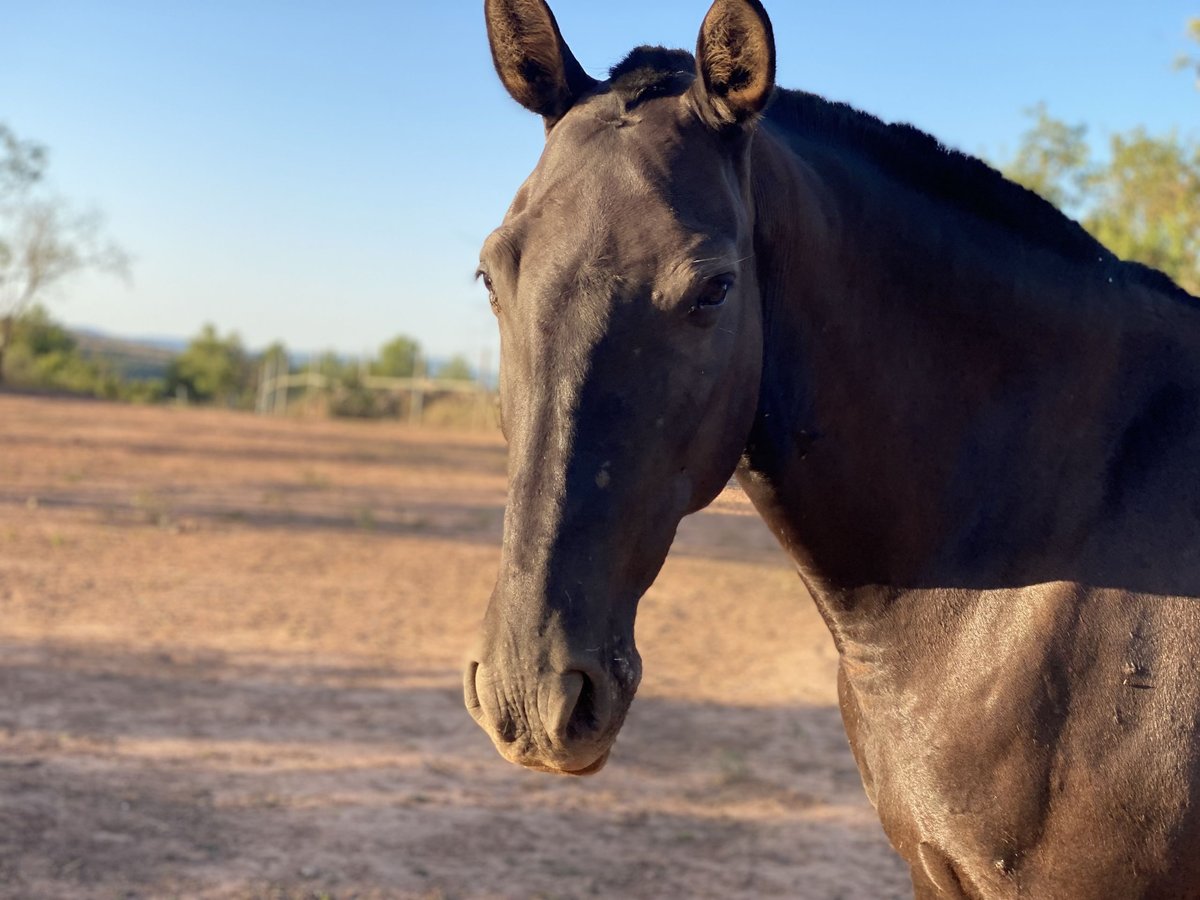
[(324, 172)]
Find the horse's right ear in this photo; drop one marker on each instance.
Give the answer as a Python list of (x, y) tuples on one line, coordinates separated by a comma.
[(735, 63), (532, 59)]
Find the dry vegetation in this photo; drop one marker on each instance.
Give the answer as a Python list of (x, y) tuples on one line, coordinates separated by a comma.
[(229, 667)]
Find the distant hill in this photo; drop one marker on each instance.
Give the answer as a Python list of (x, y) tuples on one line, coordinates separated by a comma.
[(131, 358), (139, 358)]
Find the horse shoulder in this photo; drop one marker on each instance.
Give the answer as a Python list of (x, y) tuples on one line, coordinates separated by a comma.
[(1050, 723)]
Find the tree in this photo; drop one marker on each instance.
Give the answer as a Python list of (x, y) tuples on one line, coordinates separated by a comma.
[(397, 358), (22, 164), (1191, 60), (44, 354), (276, 354), (456, 369), (213, 368), (41, 334), (274, 359), (1142, 200), (1052, 159), (1146, 204), (43, 241), (331, 366)]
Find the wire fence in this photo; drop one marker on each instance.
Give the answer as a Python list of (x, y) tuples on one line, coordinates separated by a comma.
[(419, 399)]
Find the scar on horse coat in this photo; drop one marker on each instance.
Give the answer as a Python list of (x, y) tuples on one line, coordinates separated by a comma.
[(972, 427)]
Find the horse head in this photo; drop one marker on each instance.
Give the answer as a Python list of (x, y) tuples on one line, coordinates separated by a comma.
[(623, 278)]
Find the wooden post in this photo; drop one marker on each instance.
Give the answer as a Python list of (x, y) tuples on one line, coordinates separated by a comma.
[(277, 407), (416, 406), (266, 384), (262, 387), (310, 383)]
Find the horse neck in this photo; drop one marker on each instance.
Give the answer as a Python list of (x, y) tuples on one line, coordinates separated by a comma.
[(941, 398)]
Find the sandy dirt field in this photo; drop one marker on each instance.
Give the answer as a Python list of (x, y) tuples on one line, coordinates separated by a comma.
[(230, 653)]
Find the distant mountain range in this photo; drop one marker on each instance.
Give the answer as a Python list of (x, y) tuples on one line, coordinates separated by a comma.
[(148, 356), (131, 358)]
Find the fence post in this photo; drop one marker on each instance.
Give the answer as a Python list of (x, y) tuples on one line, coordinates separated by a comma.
[(416, 406), (309, 384), (276, 385), (260, 402)]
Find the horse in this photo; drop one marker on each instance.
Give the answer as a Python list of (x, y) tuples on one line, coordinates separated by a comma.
[(973, 428)]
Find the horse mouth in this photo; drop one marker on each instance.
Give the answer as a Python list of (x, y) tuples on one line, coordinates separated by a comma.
[(540, 763), (591, 769)]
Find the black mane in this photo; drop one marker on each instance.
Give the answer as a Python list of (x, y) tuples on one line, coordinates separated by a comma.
[(907, 154), (921, 161)]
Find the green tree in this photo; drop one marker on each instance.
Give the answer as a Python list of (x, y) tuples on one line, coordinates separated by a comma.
[(397, 358), (44, 354), (276, 354), (43, 241), (1192, 60), (213, 368), (1141, 200), (273, 362), (1053, 159), (331, 366), (1146, 203), (22, 164), (41, 334), (456, 368)]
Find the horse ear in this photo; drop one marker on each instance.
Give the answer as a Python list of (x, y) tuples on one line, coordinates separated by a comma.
[(735, 62), (532, 59)]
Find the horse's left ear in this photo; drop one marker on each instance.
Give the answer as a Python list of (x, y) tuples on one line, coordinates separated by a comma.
[(532, 59), (735, 62)]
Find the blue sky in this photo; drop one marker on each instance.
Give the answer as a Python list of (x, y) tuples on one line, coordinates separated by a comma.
[(324, 172)]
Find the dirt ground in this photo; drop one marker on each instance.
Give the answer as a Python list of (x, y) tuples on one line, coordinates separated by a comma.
[(230, 653)]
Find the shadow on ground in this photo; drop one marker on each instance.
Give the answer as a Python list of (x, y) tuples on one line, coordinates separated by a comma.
[(163, 772)]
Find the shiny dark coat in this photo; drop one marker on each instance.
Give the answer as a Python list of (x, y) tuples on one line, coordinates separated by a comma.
[(975, 431)]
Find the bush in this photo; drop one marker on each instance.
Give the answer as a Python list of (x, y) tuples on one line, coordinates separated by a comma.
[(44, 355), (213, 369)]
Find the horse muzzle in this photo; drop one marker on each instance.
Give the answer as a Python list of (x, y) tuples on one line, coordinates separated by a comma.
[(561, 722)]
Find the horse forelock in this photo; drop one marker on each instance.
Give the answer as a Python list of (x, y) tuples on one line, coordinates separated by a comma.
[(648, 72)]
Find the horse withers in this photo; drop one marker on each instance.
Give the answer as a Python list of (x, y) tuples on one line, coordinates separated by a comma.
[(974, 429)]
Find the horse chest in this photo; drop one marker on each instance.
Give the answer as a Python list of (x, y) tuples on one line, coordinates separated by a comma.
[(1061, 766)]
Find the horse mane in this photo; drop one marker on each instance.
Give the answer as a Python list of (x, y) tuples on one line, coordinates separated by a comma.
[(907, 154)]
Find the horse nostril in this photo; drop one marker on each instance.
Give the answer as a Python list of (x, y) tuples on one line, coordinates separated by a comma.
[(591, 713), (470, 692), (583, 721), (574, 713), (485, 709)]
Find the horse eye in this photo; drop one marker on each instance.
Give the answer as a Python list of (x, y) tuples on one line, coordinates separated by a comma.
[(714, 293), (487, 283)]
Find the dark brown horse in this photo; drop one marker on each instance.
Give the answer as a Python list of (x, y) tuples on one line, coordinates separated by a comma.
[(975, 431)]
